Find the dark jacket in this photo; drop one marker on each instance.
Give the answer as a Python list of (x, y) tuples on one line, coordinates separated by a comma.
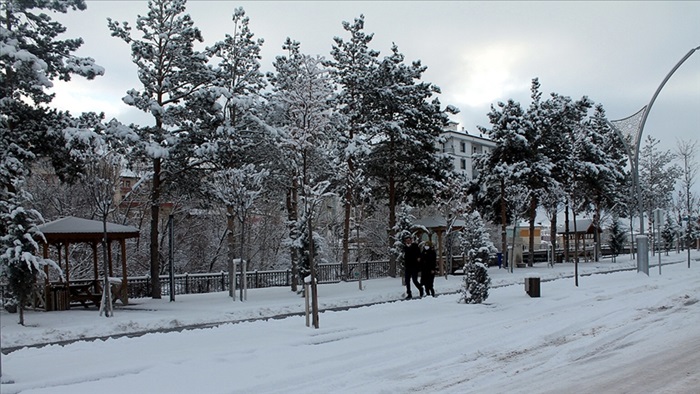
[(411, 254), (429, 262)]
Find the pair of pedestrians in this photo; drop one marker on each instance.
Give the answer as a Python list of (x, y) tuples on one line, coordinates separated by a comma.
[(415, 261)]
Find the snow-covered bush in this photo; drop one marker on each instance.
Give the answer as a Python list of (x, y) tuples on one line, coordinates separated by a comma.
[(476, 284)]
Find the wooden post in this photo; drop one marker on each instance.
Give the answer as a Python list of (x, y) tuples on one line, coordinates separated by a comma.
[(94, 264), (124, 293), (441, 260)]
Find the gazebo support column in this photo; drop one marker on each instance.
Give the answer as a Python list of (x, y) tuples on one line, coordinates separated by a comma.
[(94, 265), (441, 258), (123, 293)]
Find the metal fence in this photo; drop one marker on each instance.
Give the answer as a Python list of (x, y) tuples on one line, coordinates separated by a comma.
[(140, 286)]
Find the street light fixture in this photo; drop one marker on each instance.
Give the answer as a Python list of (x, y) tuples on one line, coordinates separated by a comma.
[(632, 127)]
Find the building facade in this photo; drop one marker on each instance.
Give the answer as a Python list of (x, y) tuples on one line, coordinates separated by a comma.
[(463, 147)]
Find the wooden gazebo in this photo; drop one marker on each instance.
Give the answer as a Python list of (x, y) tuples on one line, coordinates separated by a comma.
[(437, 225), (71, 230)]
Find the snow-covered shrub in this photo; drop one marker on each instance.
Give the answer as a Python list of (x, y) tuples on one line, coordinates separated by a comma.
[(476, 284)]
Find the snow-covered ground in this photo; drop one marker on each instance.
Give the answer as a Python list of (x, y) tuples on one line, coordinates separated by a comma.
[(617, 332)]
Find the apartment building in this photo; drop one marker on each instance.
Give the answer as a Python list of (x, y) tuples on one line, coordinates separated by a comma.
[(462, 147)]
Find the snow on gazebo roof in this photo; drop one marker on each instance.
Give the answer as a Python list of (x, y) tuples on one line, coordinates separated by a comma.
[(582, 226), (84, 230), (437, 223)]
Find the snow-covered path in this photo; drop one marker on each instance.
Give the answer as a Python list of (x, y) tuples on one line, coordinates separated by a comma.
[(614, 332)]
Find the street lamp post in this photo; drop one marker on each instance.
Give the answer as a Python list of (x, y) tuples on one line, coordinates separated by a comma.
[(633, 126)]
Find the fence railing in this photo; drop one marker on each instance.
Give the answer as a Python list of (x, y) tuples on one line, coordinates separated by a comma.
[(139, 287)]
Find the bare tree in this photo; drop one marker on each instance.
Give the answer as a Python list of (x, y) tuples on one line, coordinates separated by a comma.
[(686, 152)]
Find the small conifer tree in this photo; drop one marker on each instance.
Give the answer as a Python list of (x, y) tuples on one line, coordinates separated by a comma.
[(617, 238), (476, 284), (478, 248)]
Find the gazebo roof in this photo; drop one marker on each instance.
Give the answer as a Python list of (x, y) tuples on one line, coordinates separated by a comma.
[(582, 226), (72, 229), (437, 223)]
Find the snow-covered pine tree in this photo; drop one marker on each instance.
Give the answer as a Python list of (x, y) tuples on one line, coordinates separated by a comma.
[(476, 284), (404, 164), (475, 240), (453, 202), (234, 148), (668, 234), (478, 249), (304, 122), (502, 167), (539, 178), (616, 237), (353, 67), (176, 82), (237, 189), (562, 117), (601, 172), (33, 56)]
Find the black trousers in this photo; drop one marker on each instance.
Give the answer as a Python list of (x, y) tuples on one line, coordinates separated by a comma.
[(412, 275), (427, 280)]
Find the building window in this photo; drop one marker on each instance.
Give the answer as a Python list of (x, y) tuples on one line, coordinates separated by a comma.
[(462, 147), (463, 164)]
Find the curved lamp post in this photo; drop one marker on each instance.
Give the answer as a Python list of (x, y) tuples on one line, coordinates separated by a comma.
[(633, 126)]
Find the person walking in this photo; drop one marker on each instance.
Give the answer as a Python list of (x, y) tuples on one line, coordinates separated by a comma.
[(411, 261), (428, 260)]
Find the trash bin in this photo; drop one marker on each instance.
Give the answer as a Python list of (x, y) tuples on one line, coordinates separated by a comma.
[(500, 259), (532, 286)]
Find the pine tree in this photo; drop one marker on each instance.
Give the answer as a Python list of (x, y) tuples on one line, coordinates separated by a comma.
[(235, 145), (601, 168), (304, 122), (500, 170), (475, 240), (403, 163), (176, 81), (478, 249), (617, 237), (33, 56), (353, 67), (476, 284), (668, 234), (563, 117)]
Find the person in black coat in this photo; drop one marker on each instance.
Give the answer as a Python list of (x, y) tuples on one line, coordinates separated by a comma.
[(411, 259), (429, 264)]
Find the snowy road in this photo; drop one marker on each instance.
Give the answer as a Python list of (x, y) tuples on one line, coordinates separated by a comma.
[(673, 370), (615, 333)]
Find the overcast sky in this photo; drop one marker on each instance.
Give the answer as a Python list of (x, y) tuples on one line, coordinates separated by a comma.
[(478, 53)]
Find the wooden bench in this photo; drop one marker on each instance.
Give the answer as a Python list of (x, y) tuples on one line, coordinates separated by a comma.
[(83, 294)]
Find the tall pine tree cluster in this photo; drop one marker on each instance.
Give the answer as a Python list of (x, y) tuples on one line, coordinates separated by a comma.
[(357, 130), (32, 57)]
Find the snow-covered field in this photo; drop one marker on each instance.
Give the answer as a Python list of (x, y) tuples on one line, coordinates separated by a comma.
[(617, 332)]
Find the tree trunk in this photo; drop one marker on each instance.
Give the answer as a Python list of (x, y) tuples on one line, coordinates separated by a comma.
[(504, 218), (292, 216), (573, 211), (531, 240), (155, 214), (553, 235), (392, 224), (567, 237), (312, 267), (231, 252), (346, 235)]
